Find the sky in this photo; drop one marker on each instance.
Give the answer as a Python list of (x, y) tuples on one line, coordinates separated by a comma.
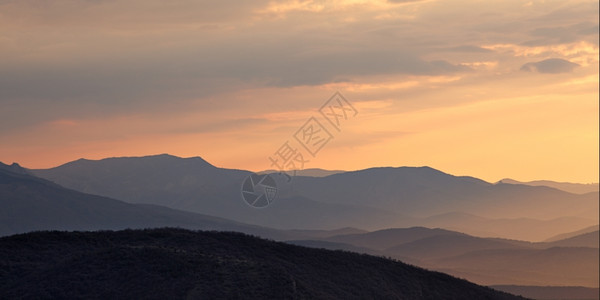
[(490, 89)]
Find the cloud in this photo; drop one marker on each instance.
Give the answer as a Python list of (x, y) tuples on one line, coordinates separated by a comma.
[(591, 30), (551, 66), (75, 59), (466, 49), (544, 36), (404, 1)]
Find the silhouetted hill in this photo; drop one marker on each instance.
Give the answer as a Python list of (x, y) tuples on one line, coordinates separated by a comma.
[(177, 264)]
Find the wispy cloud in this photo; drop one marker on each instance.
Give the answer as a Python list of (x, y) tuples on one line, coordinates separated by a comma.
[(551, 65)]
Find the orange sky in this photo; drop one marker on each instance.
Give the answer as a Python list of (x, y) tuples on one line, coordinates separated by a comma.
[(479, 88)]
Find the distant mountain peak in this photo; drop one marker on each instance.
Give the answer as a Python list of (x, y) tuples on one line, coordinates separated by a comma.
[(163, 158), (14, 168), (575, 188)]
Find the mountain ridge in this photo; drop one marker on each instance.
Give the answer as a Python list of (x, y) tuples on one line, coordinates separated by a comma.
[(57, 206), (32, 203), (571, 187), (372, 199), (488, 261), (176, 263)]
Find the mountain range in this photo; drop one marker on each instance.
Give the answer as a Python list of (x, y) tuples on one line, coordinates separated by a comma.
[(424, 192), (194, 185), (491, 261), (31, 203), (370, 199)]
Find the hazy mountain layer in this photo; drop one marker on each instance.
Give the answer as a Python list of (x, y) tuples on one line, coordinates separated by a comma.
[(576, 188), (569, 262), (194, 185), (29, 203), (421, 192), (370, 199), (572, 234)]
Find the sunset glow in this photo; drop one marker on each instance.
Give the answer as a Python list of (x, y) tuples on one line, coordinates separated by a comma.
[(490, 89)]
